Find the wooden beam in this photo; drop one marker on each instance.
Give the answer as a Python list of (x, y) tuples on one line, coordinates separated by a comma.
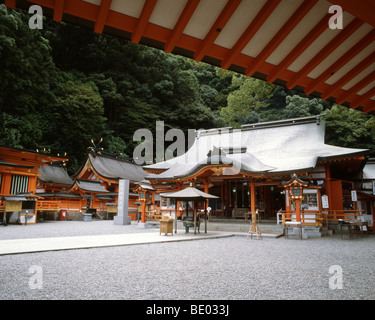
[(216, 28), (147, 10), (297, 16), (251, 30), (299, 48), (181, 24), (370, 107), (10, 4), (355, 50), (351, 74), (361, 99), (102, 15), (325, 52), (357, 87), (58, 10)]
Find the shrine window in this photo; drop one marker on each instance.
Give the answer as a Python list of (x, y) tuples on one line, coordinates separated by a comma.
[(19, 184)]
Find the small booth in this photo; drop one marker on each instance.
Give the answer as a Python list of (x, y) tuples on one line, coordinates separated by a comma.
[(195, 195), (19, 209)]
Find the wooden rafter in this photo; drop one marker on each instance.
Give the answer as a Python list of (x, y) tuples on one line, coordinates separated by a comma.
[(138, 27), (216, 28), (147, 10), (183, 20), (10, 4), (370, 107), (357, 87), (299, 48), (351, 74), (360, 99), (251, 30), (325, 52), (355, 50), (296, 17), (58, 10), (102, 15)]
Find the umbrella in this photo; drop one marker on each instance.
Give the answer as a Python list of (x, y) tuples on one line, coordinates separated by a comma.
[(189, 194)]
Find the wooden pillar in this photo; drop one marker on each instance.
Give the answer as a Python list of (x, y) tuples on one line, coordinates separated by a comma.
[(328, 185), (143, 212), (6, 183), (252, 196), (298, 210), (206, 187)]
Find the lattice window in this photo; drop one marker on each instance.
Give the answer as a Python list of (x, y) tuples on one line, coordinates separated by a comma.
[(19, 184)]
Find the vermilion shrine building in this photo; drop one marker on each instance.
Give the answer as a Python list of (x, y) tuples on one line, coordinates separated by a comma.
[(250, 168), (19, 172), (94, 188)]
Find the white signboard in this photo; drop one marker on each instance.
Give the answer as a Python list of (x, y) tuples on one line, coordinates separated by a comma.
[(354, 195), (325, 204)]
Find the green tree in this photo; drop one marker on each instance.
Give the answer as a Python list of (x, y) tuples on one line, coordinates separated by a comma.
[(347, 128), (251, 96), (297, 106)]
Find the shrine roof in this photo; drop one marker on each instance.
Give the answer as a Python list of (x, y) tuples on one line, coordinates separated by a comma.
[(114, 168), (323, 48), (89, 186), (283, 146), (55, 175)]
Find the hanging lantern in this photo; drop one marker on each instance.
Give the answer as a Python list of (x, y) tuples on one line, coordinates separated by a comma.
[(295, 186)]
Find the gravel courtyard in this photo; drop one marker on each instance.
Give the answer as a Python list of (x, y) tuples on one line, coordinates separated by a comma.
[(227, 268)]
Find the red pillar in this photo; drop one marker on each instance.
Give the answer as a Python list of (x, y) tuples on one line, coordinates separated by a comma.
[(143, 215), (298, 210), (252, 196)]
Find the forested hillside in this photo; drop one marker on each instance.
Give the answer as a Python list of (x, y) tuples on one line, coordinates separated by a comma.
[(64, 85)]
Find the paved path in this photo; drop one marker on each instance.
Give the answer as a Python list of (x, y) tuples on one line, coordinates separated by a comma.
[(15, 246)]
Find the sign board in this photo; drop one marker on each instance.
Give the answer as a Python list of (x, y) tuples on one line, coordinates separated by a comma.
[(325, 204), (354, 195)]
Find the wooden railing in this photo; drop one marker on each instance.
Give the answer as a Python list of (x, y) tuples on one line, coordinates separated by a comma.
[(317, 218), (48, 205)]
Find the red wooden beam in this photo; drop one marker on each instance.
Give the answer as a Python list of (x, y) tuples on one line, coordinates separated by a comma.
[(351, 74), (58, 10), (181, 24), (214, 32), (360, 99), (370, 107), (325, 52), (357, 48), (297, 16), (10, 4), (143, 20), (357, 87), (299, 48), (102, 15), (251, 30)]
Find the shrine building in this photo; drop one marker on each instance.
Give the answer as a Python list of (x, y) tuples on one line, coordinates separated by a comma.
[(19, 172), (259, 167)]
